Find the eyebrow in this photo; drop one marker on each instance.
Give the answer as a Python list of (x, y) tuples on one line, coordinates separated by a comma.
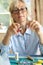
[(18, 8)]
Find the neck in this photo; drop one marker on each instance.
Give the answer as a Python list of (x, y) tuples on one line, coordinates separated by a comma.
[(23, 29)]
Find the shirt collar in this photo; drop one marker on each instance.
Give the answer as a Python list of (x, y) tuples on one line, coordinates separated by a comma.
[(28, 31)]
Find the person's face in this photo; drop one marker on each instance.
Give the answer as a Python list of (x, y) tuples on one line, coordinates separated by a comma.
[(19, 14)]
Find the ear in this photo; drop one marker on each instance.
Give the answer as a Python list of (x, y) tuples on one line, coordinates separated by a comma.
[(11, 15)]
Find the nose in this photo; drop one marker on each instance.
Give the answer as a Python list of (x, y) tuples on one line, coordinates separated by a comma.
[(19, 11)]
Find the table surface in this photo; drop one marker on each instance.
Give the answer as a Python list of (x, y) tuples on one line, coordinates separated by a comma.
[(24, 60)]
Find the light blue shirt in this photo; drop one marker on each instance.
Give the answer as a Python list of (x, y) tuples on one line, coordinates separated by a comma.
[(25, 45)]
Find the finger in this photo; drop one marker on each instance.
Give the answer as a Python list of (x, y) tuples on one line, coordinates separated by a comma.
[(11, 27), (28, 24), (36, 28), (32, 23), (17, 24), (14, 31), (14, 26)]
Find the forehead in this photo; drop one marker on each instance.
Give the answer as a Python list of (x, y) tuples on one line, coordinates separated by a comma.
[(20, 4)]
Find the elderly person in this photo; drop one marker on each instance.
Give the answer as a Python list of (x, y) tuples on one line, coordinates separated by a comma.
[(23, 36)]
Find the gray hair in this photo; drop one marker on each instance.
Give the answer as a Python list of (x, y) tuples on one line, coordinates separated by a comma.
[(14, 3)]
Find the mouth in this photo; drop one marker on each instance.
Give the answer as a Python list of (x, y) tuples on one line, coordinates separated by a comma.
[(20, 16)]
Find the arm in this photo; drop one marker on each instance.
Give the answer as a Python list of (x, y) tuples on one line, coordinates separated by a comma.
[(40, 34), (35, 26), (11, 30)]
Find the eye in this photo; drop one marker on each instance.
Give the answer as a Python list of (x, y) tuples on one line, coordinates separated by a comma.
[(15, 11), (22, 8)]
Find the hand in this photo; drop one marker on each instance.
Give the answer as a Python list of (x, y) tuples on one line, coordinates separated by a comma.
[(13, 28), (34, 25)]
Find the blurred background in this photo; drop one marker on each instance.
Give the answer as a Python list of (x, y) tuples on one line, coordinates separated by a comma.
[(35, 8)]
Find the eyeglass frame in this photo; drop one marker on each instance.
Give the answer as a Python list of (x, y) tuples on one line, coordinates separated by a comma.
[(16, 11)]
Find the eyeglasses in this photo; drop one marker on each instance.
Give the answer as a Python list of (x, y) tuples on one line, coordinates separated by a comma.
[(16, 11)]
